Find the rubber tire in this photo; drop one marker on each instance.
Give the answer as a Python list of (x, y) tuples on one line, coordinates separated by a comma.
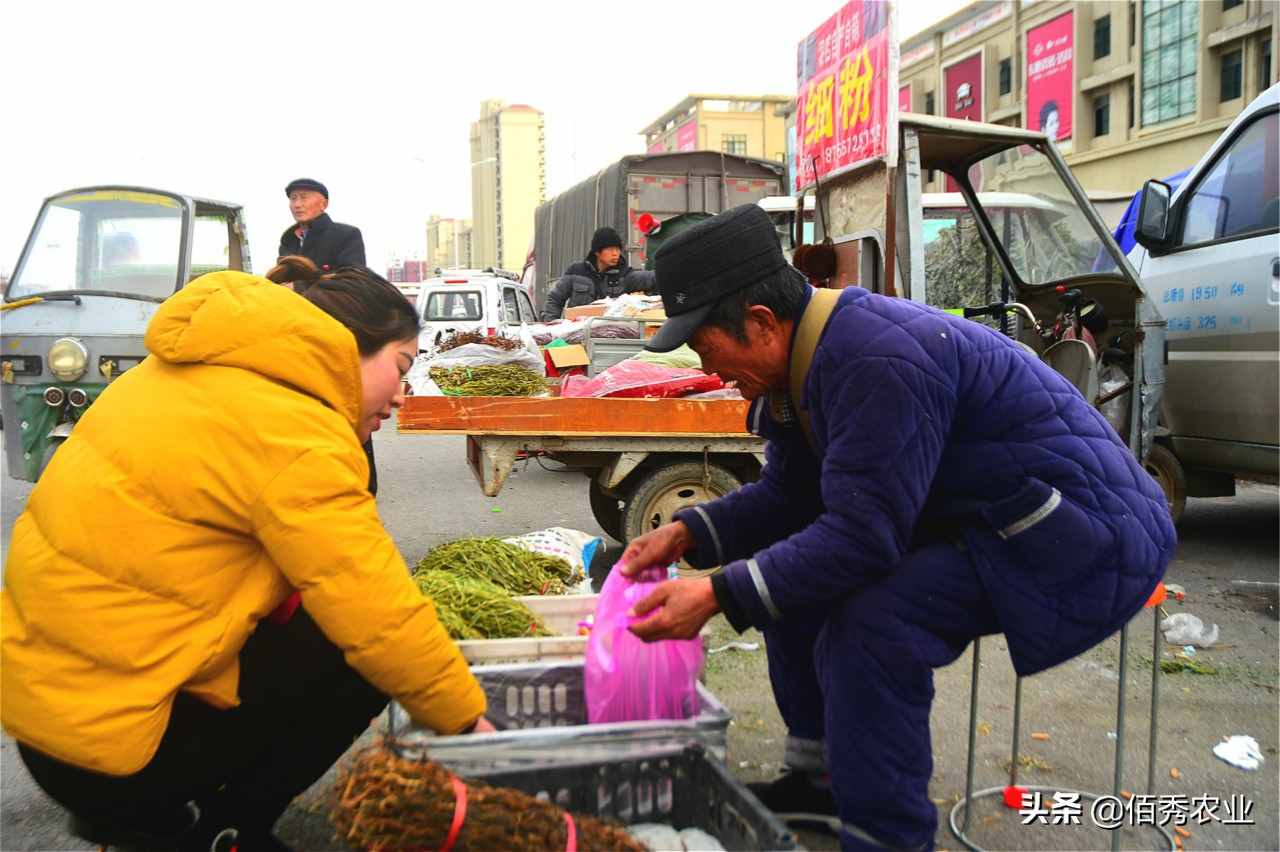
[(607, 511), (655, 483), (1169, 474)]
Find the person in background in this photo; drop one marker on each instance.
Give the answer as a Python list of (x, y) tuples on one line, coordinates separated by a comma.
[(926, 483), (603, 274), (326, 243), (202, 611)]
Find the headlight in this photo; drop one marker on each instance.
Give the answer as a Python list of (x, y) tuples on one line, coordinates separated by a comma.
[(77, 397), (68, 359), (54, 397)]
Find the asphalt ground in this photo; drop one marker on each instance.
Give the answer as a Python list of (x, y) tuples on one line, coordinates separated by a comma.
[(428, 496)]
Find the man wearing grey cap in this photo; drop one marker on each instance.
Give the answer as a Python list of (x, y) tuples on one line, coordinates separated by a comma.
[(326, 243), (926, 483)]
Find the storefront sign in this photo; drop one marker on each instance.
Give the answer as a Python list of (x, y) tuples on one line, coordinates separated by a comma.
[(1050, 77), (846, 70), (917, 53), (962, 90), (977, 23), (687, 135)]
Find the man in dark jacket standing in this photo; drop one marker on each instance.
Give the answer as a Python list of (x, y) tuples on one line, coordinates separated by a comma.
[(927, 482), (314, 235), (604, 274)]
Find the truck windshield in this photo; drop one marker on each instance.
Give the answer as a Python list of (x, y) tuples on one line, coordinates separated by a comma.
[(1037, 220), (122, 241), (449, 305)]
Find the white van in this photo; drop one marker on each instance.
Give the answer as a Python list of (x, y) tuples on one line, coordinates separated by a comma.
[(490, 302), (1208, 255), (782, 210)]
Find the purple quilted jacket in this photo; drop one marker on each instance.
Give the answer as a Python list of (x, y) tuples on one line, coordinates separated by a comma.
[(933, 427)]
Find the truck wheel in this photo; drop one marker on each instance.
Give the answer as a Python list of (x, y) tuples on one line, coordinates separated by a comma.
[(1167, 471), (668, 489), (607, 509)]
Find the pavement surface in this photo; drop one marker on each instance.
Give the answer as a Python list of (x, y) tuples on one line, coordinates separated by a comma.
[(428, 496)]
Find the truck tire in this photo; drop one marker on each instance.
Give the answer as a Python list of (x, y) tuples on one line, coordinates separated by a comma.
[(607, 510), (662, 491), (1167, 471)]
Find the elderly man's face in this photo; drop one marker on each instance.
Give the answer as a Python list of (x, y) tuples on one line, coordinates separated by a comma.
[(608, 257), (757, 366), (306, 205)]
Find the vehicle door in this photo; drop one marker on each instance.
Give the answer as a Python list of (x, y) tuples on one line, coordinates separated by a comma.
[(1218, 287), (510, 311)]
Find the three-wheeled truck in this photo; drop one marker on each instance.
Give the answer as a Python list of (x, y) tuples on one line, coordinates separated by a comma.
[(97, 264), (1046, 269)]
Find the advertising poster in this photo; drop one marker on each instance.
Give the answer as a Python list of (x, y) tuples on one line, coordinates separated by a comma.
[(904, 98), (687, 135), (962, 93), (846, 70), (1050, 86)]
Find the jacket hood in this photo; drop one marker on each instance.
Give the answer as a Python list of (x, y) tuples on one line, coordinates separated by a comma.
[(233, 319)]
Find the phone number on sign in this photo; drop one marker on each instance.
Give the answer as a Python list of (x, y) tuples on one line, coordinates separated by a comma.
[(1066, 808)]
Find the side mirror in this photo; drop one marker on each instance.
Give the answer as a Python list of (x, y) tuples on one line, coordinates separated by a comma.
[(1152, 232)]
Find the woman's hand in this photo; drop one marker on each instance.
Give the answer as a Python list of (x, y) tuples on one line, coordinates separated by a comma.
[(483, 726), (662, 546)]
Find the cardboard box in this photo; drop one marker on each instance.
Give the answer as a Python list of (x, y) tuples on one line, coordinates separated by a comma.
[(583, 311), (573, 355)]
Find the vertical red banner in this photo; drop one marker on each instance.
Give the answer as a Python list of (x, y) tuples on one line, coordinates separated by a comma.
[(1050, 77), (843, 107), (687, 135), (962, 93), (904, 98)]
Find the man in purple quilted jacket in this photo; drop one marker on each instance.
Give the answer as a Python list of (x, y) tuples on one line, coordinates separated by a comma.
[(955, 487)]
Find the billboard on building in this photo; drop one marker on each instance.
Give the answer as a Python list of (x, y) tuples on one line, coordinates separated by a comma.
[(687, 136), (1050, 76), (658, 147), (962, 94), (845, 72), (904, 98)]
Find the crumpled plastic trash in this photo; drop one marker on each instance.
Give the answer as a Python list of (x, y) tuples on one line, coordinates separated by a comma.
[(1240, 751), (1183, 628)]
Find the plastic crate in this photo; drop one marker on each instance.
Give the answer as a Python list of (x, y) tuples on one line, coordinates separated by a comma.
[(540, 711), (682, 787), (560, 613)]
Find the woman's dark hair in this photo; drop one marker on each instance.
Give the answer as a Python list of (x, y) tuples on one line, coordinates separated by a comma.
[(359, 298), (1048, 109), (780, 292)]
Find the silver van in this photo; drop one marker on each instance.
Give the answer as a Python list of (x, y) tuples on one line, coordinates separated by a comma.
[(489, 301), (1208, 255)]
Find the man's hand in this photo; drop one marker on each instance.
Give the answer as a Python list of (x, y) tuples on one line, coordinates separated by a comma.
[(685, 607), (663, 546)]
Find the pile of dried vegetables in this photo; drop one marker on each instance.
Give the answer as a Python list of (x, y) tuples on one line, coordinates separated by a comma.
[(519, 571), (494, 380), (458, 338), (473, 608)]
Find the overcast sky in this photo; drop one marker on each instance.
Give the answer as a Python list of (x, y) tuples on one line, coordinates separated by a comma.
[(230, 99)]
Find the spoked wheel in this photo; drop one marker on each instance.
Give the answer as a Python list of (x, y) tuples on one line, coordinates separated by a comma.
[(663, 491)]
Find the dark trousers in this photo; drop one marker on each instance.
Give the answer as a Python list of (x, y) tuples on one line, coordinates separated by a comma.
[(373, 471), (301, 708), (862, 679)]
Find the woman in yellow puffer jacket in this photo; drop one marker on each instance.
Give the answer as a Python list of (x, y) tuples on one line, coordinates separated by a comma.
[(148, 690)]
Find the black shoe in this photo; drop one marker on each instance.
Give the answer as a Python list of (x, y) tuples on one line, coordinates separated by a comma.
[(800, 802)]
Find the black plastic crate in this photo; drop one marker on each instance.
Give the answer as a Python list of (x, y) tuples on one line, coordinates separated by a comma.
[(683, 787)]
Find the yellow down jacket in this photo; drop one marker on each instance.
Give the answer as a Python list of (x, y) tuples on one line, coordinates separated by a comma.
[(195, 494)]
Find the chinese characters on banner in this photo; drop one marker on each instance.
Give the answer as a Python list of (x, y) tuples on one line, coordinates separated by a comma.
[(844, 112), (1050, 90), (687, 135), (962, 93), (904, 98)]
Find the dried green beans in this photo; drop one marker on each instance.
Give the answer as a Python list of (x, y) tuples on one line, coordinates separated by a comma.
[(519, 571), (471, 608), (498, 380)]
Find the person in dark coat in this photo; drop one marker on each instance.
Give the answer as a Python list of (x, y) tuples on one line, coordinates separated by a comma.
[(604, 274), (954, 486), (326, 243)]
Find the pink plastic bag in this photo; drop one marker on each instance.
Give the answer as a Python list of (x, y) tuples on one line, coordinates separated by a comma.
[(635, 379), (628, 679)]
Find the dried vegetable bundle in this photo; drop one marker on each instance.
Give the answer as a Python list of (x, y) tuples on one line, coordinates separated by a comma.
[(474, 608), (458, 338), (386, 802), (519, 571), (498, 380)]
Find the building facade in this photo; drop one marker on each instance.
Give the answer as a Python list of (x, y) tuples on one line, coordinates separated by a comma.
[(508, 182), (448, 243), (749, 125), (1129, 90)]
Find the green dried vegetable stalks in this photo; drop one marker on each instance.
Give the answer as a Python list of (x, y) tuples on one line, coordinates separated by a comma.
[(470, 608), (503, 380), (519, 571)]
